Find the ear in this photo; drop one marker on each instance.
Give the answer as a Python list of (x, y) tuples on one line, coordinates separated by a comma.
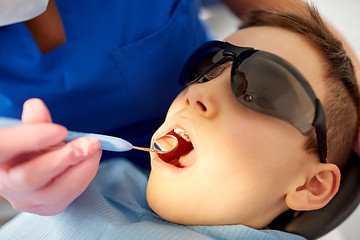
[(320, 187)]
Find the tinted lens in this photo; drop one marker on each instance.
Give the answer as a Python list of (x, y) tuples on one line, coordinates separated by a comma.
[(269, 85), (208, 62), (201, 62)]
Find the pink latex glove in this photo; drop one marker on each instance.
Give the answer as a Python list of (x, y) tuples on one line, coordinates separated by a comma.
[(38, 172)]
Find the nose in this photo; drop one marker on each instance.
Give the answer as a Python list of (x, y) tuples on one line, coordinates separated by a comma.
[(202, 98)]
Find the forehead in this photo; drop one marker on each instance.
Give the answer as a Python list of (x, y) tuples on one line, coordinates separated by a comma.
[(291, 46)]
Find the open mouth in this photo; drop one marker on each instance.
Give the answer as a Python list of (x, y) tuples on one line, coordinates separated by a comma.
[(179, 156)]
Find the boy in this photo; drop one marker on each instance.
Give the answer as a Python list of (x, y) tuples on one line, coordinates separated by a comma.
[(250, 156), (262, 155)]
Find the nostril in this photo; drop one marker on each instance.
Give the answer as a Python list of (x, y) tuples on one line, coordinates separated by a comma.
[(202, 106)]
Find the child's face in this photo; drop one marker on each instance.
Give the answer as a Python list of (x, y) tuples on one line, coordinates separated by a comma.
[(243, 162)]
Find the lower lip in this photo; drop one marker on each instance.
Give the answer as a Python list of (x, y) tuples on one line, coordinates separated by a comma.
[(157, 163)]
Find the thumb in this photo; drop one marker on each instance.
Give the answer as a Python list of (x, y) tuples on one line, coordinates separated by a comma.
[(35, 110)]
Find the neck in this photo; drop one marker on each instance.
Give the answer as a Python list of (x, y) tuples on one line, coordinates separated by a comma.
[(47, 29)]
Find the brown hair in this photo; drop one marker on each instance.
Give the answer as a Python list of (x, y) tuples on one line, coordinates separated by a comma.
[(341, 103)]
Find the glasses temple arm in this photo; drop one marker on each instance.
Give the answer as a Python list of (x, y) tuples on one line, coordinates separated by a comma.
[(320, 128)]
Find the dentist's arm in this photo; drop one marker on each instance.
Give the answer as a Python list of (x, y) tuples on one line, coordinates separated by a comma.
[(357, 145), (38, 172), (242, 7)]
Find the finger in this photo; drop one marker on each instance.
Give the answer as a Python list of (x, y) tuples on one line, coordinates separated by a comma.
[(29, 138), (35, 110), (68, 186), (44, 168)]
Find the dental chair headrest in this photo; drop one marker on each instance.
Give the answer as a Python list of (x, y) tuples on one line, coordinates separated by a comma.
[(314, 224)]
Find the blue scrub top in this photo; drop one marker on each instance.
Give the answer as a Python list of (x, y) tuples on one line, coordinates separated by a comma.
[(117, 72)]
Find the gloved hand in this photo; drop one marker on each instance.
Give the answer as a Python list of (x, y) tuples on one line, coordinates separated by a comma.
[(38, 172)]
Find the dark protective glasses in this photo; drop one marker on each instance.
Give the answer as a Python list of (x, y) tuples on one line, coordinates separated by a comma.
[(262, 82)]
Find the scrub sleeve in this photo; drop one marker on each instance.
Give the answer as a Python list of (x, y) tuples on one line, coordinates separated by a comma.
[(116, 74)]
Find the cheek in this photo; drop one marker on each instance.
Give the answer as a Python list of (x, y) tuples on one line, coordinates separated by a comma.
[(259, 137), (252, 148)]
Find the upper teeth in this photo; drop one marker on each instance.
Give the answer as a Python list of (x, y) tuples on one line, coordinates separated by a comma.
[(182, 134)]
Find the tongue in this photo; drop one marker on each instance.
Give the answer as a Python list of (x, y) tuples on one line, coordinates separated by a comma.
[(183, 148), (166, 143)]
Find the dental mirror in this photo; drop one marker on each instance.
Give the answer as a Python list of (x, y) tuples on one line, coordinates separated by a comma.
[(162, 145)]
